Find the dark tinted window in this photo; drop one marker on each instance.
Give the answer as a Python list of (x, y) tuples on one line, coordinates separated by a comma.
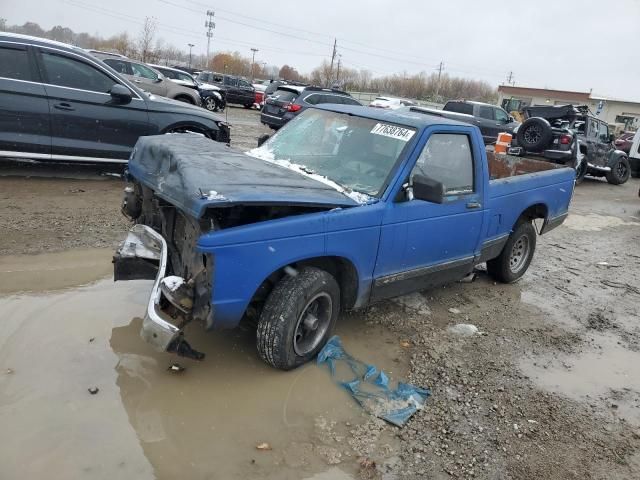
[(327, 98), (14, 63), (350, 101), (67, 72), (312, 99), (143, 71), (459, 107), (447, 158), (244, 84), (118, 65), (501, 115), (285, 96), (230, 81), (485, 112)]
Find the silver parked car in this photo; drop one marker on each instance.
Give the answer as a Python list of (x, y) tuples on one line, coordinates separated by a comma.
[(148, 78)]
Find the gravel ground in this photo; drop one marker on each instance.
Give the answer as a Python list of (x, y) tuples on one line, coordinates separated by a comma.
[(549, 388)]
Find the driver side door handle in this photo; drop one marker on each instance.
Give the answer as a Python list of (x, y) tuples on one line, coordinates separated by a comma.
[(473, 205)]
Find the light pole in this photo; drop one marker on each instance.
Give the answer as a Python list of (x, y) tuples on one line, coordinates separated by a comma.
[(191, 45), (253, 61)]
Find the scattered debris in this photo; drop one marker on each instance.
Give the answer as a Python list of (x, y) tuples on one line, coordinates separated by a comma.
[(370, 386), (93, 390), (405, 344), (176, 367), (455, 311), (9, 371), (367, 467), (92, 339), (263, 446), (464, 329), (469, 278)]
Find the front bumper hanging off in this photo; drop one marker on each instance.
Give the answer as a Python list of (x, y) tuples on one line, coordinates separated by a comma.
[(143, 253)]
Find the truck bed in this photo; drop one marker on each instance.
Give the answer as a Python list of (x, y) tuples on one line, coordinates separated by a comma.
[(504, 166)]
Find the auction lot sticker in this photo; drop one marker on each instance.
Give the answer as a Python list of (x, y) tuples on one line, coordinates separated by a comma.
[(393, 131)]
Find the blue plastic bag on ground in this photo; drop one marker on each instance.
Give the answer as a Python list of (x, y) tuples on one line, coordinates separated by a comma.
[(370, 386)]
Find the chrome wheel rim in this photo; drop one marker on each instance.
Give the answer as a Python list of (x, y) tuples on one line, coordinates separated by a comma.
[(312, 324), (532, 134), (621, 169), (519, 254), (210, 104)]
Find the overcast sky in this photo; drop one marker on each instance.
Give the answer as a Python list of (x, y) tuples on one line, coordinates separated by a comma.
[(572, 45)]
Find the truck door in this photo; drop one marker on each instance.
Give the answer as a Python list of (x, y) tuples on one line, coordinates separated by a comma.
[(591, 140), (424, 244), (486, 121), (603, 145)]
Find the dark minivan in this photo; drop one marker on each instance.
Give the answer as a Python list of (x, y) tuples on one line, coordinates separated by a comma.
[(290, 100), (57, 102), (237, 89)]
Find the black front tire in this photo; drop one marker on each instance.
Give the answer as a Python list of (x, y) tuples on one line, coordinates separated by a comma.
[(620, 172), (514, 260), (289, 300)]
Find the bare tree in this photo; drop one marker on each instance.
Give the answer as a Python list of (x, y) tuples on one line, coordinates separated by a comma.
[(146, 38)]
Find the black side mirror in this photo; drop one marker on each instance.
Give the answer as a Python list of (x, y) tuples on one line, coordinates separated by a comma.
[(262, 139), (120, 93), (612, 138), (427, 189)]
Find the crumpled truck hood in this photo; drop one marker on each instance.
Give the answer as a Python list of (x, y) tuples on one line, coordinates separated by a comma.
[(194, 173)]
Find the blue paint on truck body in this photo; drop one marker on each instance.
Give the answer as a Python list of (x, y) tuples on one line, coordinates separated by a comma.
[(382, 240)]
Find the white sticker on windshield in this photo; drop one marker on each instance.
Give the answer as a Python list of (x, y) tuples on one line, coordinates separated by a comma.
[(393, 131)]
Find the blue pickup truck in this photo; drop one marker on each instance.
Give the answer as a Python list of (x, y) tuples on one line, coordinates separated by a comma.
[(342, 207)]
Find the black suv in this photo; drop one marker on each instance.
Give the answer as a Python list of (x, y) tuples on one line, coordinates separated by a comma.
[(289, 100), (60, 103), (237, 90), (571, 135)]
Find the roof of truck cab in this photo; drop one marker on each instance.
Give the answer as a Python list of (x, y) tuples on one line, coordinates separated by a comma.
[(409, 119)]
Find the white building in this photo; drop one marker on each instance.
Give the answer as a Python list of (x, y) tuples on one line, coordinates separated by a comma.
[(625, 115)]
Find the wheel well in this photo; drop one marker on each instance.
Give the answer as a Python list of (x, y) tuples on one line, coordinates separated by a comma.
[(342, 269), (539, 210), (186, 97)]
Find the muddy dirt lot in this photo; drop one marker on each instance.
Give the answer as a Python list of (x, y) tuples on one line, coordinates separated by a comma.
[(550, 389)]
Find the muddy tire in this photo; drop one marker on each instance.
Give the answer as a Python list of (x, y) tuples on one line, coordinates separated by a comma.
[(534, 134), (516, 256), (620, 172), (298, 318)]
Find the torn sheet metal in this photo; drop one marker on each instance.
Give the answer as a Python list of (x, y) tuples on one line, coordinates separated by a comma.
[(370, 386)]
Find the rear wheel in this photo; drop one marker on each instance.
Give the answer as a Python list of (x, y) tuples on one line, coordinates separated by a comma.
[(620, 172), (298, 318), (516, 256)]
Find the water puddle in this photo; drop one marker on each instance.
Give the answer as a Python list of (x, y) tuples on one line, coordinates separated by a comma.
[(593, 222), (147, 421), (604, 374)]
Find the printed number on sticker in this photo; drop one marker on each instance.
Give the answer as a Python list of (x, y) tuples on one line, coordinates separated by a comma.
[(393, 131)]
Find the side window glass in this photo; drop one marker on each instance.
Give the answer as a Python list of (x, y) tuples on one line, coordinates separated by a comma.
[(67, 72), (142, 71), (501, 115), (217, 79), (118, 65), (349, 101), (14, 63), (231, 81), (447, 158), (592, 129), (604, 132), (312, 99), (244, 84), (485, 112)]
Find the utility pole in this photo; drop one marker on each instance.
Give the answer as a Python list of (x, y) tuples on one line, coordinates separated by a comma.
[(191, 45), (333, 57), (253, 62), (510, 80), (209, 25), (440, 68), (338, 72)]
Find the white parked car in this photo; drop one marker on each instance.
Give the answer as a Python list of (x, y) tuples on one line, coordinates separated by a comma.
[(390, 103)]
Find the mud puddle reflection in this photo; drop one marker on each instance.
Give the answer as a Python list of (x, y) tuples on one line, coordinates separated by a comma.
[(148, 422)]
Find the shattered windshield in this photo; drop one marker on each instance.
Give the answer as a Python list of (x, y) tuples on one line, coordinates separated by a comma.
[(354, 154)]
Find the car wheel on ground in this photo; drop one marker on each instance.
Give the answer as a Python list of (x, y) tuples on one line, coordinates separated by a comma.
[(581, 171), (298, 318), (211, 104), (534, 134), (620, 172), (516, 256)]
